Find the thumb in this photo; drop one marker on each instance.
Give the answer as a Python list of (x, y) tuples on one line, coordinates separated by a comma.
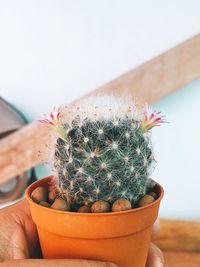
[(155, 257), (55, 263)]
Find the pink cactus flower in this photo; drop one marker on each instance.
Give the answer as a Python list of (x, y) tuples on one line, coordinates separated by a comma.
[(151, 118), (54, 120)]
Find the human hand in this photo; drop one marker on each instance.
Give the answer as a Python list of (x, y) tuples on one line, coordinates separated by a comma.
[(155, 256), (19, 242)]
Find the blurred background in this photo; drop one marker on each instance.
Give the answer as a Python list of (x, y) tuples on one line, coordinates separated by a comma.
[(53, 52)]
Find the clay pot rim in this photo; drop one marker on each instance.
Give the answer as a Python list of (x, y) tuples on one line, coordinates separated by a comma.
[(70, 213)]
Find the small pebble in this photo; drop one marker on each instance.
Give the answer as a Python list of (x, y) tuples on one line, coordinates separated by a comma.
[(153, 194), (121, 205), (100, 206), (52, 196), (147, 199), (45, 204), (84, 209), (152, 183), (60, 204), (39, 194)]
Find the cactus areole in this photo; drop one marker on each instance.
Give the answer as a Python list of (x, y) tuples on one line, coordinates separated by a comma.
[(103, 150)]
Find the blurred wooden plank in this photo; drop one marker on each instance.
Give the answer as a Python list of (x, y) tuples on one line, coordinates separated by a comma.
[(181, 259), (161, 75), (20, 150), (147, 83), (179, 235)]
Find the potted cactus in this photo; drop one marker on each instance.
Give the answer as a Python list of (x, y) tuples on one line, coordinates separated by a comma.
[(101, 202)]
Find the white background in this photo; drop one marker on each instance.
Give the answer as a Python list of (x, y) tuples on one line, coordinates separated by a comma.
[(54, 51)]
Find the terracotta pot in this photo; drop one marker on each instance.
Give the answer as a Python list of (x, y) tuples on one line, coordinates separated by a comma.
[(119, 237)]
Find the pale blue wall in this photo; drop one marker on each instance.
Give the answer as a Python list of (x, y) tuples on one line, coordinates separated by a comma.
[(177, 146)]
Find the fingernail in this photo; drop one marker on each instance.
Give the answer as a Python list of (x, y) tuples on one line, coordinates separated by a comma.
[(159, 264), (156, 229), (159, 257), (157, 225), (156, 258)]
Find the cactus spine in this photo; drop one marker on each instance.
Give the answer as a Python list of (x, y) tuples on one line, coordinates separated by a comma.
[(105, 154)]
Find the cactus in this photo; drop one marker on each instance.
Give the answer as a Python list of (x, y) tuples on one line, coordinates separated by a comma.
[(105, 154)]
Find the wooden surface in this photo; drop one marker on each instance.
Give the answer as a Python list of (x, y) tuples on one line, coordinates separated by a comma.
[(181, 259), (179, 235), (20, 150), (180, 242), (161, 75), (149, 82)]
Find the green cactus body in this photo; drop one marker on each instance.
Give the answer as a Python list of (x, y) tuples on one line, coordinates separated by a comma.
[(103, 159)]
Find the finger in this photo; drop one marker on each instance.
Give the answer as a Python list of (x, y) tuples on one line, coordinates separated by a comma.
[(156, 229), (56, 263), (29, 229), (155, 257), (23, 206), (21, 214)]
